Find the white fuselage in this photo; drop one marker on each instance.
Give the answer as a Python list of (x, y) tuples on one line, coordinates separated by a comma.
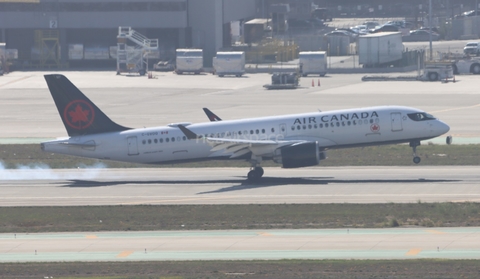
[(331, 129)]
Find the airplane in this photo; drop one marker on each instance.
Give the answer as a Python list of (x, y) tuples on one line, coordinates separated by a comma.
[(294, 141)]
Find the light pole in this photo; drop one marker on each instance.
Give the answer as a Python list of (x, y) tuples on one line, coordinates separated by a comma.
[(430, 23)]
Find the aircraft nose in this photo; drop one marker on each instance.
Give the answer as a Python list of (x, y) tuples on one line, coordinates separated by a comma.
[(442, 127)]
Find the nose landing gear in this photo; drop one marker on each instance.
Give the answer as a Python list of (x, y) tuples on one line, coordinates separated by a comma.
[(414, 145)]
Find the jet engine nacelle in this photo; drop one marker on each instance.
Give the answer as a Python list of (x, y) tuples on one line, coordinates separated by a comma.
[(299, 155)]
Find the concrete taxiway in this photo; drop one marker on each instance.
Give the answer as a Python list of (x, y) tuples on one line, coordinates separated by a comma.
[(28, 110), (404, 243), (229, 186)]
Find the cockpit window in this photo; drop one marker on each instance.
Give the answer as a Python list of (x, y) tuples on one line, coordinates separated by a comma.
[(421, 116)]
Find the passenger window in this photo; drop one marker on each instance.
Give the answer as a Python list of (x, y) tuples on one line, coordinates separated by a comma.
[(309, 126), (144, 141), (155, 141), (149, 141), (161, 140), (173, 139), (167, 140)]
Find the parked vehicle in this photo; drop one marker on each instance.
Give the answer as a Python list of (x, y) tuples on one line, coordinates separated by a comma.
[(371, 24), (343, 33), (189, 60), (421, 36), (380, 50), (435, 71), (385, 28), (313, 63), (164, 66), (472, 48), (229, 63)]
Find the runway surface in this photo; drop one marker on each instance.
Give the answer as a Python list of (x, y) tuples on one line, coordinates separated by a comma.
[(440, 243), (229, 186)]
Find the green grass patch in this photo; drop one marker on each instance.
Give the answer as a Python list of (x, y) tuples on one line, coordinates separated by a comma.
[(226, 217), (282, 269)]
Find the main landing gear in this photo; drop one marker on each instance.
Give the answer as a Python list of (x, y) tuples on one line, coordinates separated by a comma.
[(414, 145), (256, 172)]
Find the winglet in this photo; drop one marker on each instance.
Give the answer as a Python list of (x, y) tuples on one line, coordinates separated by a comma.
[(189, 134), (212, 116)]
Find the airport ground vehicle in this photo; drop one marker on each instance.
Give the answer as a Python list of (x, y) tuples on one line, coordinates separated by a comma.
[(284, 81), (472, 48), (435, 71), (164, 66), (229, 63), (313, 63), (467, 66), (189, 61), (380, 50)]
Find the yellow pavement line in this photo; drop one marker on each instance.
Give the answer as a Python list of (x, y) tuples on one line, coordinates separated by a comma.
[(458, 108), (265, 234), (13, 81), (91, 236), (435, 232), (413, 252), (124, 254)]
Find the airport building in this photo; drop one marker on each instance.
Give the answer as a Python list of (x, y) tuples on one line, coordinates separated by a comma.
[(84, 32)]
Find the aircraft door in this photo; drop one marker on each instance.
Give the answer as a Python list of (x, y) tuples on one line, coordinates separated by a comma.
[(283, 129), (132, 146), (396, 118)]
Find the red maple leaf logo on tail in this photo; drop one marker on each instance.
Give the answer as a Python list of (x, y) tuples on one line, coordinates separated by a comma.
[(79, 114)]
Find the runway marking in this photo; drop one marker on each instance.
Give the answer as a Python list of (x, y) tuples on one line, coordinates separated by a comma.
[(413, 252), (91, 236), (265, 234), (124, 254), (459, 108), (435, 232), (13, 81)]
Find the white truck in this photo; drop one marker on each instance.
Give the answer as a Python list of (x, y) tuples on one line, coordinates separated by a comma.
[(189, 61), (467, 66), (380, 49), (229, 63), (312, 63)]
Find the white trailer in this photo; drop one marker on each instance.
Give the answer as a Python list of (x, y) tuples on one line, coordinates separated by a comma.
[(313, 63), (229, 63), (380, 49), (189, 60)]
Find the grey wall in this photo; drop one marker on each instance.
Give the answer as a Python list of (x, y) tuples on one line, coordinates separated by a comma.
[(94, 20), (205, 19)]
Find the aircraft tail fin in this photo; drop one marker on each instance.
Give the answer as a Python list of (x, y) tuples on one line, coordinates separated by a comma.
[(211, 116), (79, 115)]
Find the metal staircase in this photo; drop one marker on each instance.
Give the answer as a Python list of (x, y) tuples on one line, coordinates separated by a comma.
[(133, 59)]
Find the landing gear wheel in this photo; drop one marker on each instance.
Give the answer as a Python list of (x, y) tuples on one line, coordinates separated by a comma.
[(255, 174), (416, 159), (259, 170)]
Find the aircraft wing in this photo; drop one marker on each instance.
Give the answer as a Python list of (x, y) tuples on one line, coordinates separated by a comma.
[(240, 147)]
